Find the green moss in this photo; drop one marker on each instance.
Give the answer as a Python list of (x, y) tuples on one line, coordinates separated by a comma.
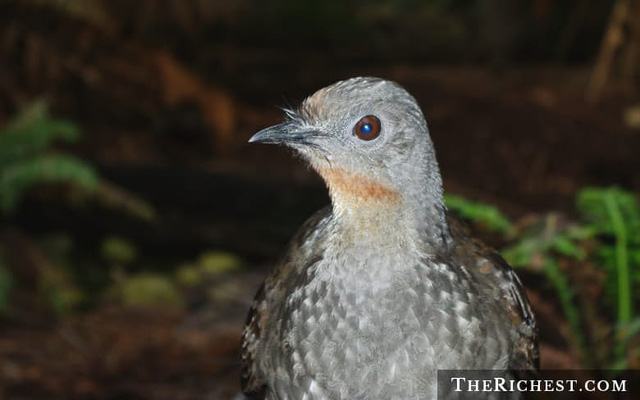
[(117, 250), (147, 289), (218, 263)]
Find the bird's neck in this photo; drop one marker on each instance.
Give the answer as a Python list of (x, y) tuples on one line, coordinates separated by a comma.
[(368, 211), (353, 193)]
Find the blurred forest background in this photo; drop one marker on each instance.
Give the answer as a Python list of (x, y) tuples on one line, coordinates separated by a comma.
[(136, 222)]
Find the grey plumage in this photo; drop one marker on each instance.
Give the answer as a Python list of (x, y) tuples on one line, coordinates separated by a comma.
[(378, 291)]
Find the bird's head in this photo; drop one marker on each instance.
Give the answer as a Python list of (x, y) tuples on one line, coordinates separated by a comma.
[(368, 139)]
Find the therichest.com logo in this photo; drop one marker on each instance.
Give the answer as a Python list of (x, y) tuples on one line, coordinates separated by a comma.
[(547, 384)]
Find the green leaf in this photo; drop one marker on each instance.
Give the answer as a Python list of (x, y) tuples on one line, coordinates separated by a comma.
[(31, 133), (20, 176), (486, 215), (592, 205), (522, 253), (580, 232), (566, 296), (565, 246), (615, 212)]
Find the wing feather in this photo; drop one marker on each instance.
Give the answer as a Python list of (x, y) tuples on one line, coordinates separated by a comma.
[(488, 266)]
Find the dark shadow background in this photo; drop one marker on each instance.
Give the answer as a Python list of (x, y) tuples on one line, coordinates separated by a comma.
[(166, 95)]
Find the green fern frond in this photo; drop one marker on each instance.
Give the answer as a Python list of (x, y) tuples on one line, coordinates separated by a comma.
[(31, 133), (55, 168), (615, 212), (538, 249), (594, 205), (486, 215)]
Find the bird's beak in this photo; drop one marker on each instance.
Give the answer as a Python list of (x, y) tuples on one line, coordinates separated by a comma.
[(288, 133)]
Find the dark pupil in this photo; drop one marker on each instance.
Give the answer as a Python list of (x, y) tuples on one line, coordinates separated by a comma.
[(366, 128)]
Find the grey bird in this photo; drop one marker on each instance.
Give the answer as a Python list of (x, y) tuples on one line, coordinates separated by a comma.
[(383, 288)]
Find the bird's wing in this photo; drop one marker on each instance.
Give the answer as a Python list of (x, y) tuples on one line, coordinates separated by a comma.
[(488, 266), (524, 355), (264, 311), (253, 383)]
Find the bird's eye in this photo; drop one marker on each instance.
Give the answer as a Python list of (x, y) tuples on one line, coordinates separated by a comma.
[(368, 128)]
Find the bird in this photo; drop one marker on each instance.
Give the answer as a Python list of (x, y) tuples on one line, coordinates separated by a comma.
[(382, 288)]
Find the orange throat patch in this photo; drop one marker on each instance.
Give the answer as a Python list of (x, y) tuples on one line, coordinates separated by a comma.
[(351, 187)]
